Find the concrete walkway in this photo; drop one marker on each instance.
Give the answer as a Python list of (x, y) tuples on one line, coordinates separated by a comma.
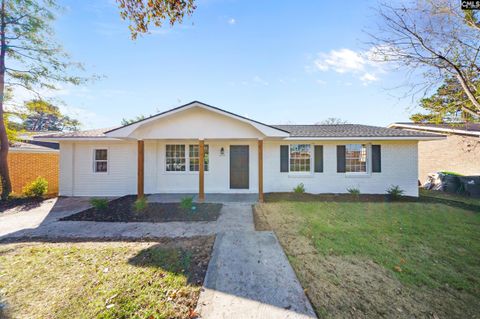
[(43, 222), (249, 276)]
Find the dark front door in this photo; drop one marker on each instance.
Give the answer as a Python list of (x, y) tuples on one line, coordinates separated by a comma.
[(239, 166)]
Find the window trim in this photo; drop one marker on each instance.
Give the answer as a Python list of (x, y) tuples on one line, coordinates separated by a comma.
[(94, 160), (299, 173), (206, 147), (185, 157), (187, 170), (367, 172)]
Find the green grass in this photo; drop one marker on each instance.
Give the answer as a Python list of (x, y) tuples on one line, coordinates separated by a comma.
[(428, 246), (432, 245), (97, 280)]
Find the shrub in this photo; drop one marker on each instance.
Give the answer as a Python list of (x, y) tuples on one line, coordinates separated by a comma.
[(354, 191), (186, 203), (99, 203), (140, 204), (451, 173), (395, 192), (37, 188), (299, 189)]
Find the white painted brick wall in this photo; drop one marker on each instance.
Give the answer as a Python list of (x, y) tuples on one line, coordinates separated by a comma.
[(399, 167)]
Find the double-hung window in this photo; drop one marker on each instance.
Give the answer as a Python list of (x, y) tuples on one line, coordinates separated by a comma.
[(356, 158), (177, 157), (300, 156), (100, 161), (194, 158)]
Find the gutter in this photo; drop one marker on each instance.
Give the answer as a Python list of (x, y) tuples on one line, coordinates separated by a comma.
[(435, 129), (375, 138)]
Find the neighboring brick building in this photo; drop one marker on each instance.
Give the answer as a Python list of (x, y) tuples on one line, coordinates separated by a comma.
[(26, 162), (459, 152)]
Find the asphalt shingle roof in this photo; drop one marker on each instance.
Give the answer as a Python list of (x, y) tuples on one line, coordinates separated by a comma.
[(314, 131), (74, 134), (348, 130)]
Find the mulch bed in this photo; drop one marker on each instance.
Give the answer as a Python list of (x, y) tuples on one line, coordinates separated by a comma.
[(307, 197), (122, 210)]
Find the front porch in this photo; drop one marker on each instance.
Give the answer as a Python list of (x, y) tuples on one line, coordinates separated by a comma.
[(209, 170)]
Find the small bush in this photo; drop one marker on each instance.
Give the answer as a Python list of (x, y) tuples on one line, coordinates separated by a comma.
[(354, 191), (299, 189), (451, 173), (395, 192), (99, 203), (186, 203), (37, 188), (140, 204)]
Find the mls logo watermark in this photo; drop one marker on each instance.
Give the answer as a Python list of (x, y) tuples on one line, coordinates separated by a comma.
[(471, 5)]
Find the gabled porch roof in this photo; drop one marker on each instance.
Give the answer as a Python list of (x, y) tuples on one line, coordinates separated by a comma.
[(126, 131)]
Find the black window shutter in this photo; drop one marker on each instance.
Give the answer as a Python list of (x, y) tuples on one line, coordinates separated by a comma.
[(376, 158), (283, 158), (340, 158), (318, 154)]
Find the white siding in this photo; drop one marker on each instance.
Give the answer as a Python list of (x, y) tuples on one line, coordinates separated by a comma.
[(217, 179), (399, 167), (196, 123), (77, 177), (65, 179)]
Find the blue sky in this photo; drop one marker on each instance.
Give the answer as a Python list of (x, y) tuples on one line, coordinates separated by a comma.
[(274, 61)]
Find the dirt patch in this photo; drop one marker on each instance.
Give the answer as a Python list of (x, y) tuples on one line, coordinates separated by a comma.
[(356, 287), (122, 210), (341, 287)]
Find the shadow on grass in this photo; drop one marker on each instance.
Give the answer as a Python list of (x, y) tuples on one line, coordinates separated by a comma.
[(4, 309), (365, 198), (190, 261)]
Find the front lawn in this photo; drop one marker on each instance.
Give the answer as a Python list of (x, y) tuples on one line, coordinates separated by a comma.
[(102, 279), (381, 259)]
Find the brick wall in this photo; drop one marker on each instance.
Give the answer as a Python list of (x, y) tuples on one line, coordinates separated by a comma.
[(460, 154), (25, 167)]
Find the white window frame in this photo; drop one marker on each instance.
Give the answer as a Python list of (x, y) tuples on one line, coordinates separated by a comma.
[(367, 161), (309, 172), (94, 160), (185, 156), (187, 159), (206, 149)]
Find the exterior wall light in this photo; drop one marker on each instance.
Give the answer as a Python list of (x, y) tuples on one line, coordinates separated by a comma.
[(222, 151)]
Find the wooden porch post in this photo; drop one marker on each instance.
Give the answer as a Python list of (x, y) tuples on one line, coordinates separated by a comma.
[(201, 170), (260, 171), (140, 169)]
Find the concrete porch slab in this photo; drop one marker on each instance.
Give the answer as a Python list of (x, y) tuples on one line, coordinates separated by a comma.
[(209, 198)]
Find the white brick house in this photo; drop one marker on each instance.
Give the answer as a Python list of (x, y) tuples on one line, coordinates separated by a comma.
[(161, 154)]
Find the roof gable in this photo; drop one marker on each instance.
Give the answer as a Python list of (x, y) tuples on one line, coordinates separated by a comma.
[(145, 128)]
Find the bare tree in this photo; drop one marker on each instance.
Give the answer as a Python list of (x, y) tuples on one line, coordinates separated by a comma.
[(435, 38), (332, 121)]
